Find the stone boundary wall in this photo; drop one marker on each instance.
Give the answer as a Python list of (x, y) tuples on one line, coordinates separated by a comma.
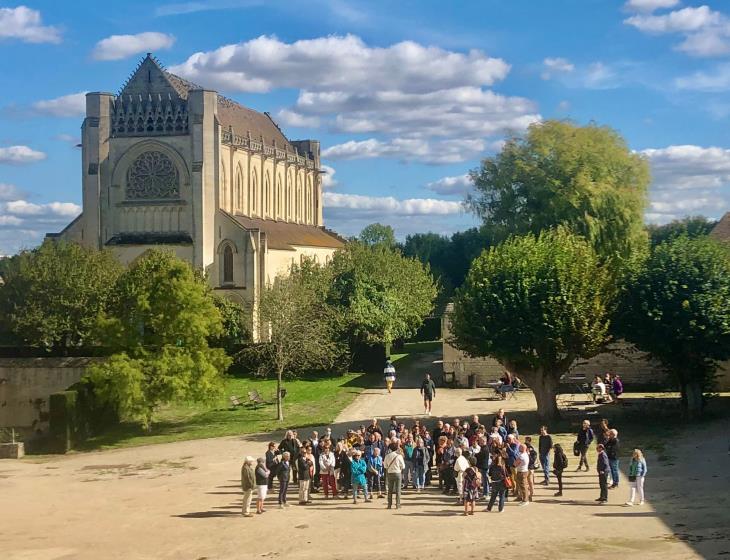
[(26, 384), (623, 358)]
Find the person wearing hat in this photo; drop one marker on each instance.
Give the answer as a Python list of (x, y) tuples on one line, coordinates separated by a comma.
[(358, 468), (248, 483)]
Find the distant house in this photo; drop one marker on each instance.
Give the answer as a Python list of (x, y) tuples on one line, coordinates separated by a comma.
[(721, 231)]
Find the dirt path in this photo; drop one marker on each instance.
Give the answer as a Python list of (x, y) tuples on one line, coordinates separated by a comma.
[(182, 501)]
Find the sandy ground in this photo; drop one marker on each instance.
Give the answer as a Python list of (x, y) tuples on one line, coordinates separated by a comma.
[(182, 501)]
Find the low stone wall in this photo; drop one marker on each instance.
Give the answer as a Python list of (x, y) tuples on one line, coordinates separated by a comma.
[(633, 366), (26, 384)]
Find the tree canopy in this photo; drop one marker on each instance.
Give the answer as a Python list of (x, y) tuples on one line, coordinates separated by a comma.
[(53, 294), (677, 308), (536, 304), (582, 177), (159, 323), (377, 234), (691, 226), (384, 295)]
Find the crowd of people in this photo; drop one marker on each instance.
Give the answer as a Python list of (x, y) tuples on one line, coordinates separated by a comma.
[(468, 460)]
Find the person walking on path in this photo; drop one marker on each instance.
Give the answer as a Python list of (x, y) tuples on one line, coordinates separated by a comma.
[(394, 466), (637, 472), (283, 473), (583, 442), (358, 468), (389, 373), (612, 451), (262, 484), (560, 463), (602, 467), (248, 483), (428, 390), (497, 475), (545, 444)]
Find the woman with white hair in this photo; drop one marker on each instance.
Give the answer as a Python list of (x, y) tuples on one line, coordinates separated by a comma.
[(248, 482), (460, 466), (637, 473), (262, 484)]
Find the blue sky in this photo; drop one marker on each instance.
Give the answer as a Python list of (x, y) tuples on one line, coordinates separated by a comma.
[(405, 96)]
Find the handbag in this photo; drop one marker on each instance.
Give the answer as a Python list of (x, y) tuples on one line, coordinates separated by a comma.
[(576, 448), (509, 483)]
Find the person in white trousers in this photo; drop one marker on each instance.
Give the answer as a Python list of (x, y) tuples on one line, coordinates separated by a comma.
[(637, 474)]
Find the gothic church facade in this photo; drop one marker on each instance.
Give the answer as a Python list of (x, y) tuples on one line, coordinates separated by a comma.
[(166, 163)]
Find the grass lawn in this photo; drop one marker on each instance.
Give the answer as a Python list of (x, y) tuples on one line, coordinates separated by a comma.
[(307, 403)]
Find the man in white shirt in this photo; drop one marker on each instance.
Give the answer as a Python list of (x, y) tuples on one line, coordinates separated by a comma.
[(521, 466), (394, 465)]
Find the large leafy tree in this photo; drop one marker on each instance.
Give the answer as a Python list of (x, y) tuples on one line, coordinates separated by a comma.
[(677, 308), (585, 178), (536, 304), (384, 295), (300, 331), (691, 226), (52, 295), (159, 323), (377, 234)]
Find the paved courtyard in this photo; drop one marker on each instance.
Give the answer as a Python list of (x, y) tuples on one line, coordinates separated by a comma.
[(182, 501)]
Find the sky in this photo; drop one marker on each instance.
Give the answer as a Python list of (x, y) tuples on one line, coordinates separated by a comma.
[(406, 97)]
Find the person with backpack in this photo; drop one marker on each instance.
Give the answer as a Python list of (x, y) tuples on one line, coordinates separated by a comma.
[(394, 466), (560, 463), (471, 485), (389, 374), (583, 442)]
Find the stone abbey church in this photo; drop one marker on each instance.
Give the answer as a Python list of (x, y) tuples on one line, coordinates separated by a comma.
[(170, 164)]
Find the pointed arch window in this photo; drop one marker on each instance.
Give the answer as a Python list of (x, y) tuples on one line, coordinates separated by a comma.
[(227, 265)]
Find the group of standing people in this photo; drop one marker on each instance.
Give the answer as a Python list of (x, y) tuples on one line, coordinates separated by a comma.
[(471, 460)]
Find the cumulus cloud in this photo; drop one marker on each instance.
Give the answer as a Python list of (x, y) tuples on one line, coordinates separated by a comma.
[(457, 185), (117, 47), (688, 180), (649, 5), (557, 65), (717, 80), (328, 177), (706, 32), (10, 192), (23, 224), (338, 63), (378, 206), (292, 118), (71, 105), (25, 24), (410, 149), (20, 155)]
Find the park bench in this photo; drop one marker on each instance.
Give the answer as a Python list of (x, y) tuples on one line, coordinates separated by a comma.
[(255, 399), (235, 401)]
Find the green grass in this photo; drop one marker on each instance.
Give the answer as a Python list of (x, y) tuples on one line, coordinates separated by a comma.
[(410, 349), (308, 402)]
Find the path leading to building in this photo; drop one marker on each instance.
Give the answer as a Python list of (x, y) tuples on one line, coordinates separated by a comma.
[(182, 501)]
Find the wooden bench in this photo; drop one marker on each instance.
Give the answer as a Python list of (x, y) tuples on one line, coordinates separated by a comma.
[(235, 401), (255, 399)]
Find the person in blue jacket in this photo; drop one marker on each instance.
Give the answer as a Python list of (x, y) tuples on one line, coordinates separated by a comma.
[(358, 468)]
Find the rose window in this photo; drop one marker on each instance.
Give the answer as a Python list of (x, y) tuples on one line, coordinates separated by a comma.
[(152, 175)]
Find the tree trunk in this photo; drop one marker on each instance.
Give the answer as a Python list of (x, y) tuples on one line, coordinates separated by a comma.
[(692, 400), (544, 386), (279, 404)]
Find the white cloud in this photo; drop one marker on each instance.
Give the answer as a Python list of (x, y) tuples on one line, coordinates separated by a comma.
[(20, 155), (25, 24), (339, 63), (9, 192), (649, 5), (706, 32), (411, 149), (70, 139), (117, 47), (23, 224), (556, 65), (25, 208), (359, 205), (292, 118), (71, 105), (688, 180), (458, 185), (717, 80), (328, 177)]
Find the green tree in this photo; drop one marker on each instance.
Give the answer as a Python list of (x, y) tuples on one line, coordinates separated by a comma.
[(384, 295), (536, 304), (159, 323), (52, 295), (235, 320), (299, 330), (692, 226), (677, 308), (585, 178), (377, 234)]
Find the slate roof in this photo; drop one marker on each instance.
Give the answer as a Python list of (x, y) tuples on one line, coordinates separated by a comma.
[(285, 235), (721, 231)]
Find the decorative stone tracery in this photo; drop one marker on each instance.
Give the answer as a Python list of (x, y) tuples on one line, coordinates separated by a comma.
[(152, 176)]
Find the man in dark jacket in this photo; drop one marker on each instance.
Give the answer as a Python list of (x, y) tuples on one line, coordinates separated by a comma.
[(484, 459), (545, 444), (272, 462), (282, 473), (583, 442), (602, 467), (428, 390), (291, 445), (612, 450)]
